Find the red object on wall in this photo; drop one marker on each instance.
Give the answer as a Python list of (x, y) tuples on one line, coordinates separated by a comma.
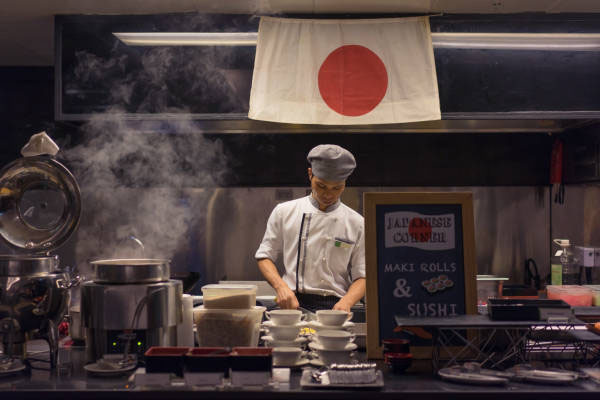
[(556, 162), (556, 169)]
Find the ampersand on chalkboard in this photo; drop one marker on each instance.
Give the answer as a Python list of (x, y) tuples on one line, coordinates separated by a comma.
[(401, 289)]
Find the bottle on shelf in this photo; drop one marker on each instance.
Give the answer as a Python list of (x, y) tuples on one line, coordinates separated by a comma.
[(569, 266)]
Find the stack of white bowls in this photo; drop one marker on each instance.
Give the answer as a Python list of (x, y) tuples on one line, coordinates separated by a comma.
[(283, 335), (333, 341), (283, 328)]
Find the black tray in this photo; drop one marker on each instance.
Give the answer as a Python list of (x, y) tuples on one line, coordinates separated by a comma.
[(208, 359), (251, 359), (526, 309), (518, 290)]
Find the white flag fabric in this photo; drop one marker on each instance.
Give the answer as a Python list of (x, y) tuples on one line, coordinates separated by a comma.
[(342, 72)]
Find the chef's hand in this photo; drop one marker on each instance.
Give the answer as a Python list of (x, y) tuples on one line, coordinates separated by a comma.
[(286, 299), (355, 292), (342, 305)]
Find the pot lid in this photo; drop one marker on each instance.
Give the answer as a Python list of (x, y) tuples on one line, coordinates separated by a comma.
[(131, 270), (17, 265), (40, 204)]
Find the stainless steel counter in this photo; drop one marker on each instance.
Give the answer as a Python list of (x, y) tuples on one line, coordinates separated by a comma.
[(40, 384)]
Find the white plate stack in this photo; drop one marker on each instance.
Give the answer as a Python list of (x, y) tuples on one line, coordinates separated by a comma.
[(333, 341), (283, 328), (283, 334)]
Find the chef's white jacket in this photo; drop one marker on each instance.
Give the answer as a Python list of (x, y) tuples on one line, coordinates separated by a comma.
[(332, 245)]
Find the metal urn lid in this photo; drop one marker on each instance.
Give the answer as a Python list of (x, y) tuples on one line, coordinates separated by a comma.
[(19, 265), (131, 270), (40, 204)]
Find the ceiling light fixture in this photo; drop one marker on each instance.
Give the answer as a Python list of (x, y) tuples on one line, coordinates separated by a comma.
[(518, 41), (188, 38), (460, 40)]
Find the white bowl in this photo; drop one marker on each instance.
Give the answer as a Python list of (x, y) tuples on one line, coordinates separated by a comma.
[(327, 357), (286, 355), (283, 332), (335, 340), (269, 324), (333, 317), (317, 326), (285, 317), (270, 342), (316, 346), (334, 356)]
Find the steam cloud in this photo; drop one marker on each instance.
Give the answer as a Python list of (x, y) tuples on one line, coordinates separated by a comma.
[(175, 79), (149, 179), (147, 185)]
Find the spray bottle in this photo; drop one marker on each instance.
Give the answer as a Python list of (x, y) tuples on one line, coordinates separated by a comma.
[(570, 269)]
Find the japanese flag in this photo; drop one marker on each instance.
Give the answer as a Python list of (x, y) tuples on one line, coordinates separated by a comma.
[(373, 71)]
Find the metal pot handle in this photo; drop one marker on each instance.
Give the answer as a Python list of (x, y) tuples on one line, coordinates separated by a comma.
[(70, 281)]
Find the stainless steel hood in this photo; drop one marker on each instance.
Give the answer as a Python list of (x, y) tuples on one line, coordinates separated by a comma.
[(239, 124), (480, 89), (440, 126)]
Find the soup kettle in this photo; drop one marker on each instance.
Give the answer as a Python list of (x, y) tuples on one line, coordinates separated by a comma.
[(40, 207)]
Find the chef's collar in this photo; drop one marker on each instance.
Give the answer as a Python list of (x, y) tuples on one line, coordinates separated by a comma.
[(331, 208)]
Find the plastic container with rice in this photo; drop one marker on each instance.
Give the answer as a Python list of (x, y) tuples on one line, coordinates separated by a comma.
[(228, 327)]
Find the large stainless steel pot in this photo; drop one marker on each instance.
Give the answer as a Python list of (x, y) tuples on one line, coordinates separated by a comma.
[(130, 270), (40, 207), (34, 296), (130, 298)]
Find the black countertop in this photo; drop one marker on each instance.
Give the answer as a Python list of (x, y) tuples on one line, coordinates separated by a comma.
[(42, 384)]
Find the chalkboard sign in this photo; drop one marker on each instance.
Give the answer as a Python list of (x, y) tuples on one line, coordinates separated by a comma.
[(420, 255)]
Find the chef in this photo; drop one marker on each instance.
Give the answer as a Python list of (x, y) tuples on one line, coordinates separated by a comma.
[(320, 238)]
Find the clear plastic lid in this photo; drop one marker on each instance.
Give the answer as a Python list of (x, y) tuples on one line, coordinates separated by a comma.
[(568, 288), (40, 204), (229, 287), (223, 296)]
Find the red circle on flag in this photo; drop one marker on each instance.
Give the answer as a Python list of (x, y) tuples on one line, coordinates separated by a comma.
[(419, 229), (352, 80)]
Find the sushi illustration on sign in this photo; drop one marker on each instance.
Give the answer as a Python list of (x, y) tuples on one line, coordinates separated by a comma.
[(427, 232), (437, 284)]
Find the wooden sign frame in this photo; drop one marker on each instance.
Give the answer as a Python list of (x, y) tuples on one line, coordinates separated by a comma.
[(370, 202)]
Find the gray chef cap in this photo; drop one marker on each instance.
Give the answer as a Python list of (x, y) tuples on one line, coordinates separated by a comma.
[(331, 162)]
